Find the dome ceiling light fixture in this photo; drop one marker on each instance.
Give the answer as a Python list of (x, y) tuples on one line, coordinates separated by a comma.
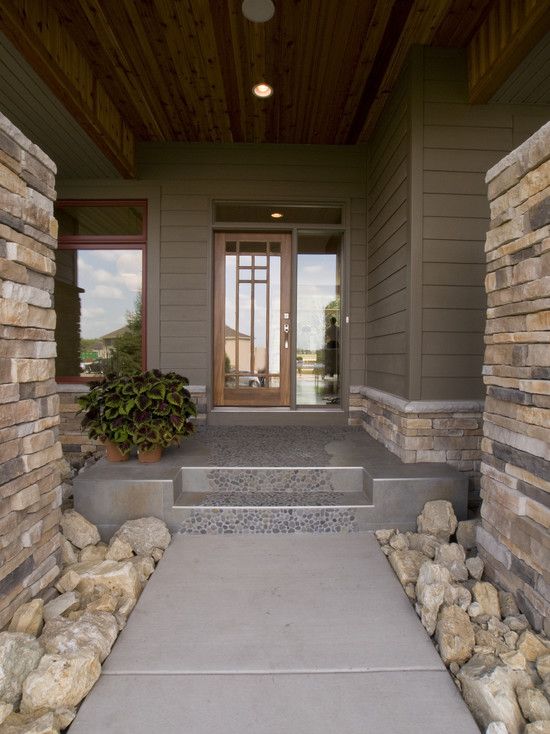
[(262, 90), (276, 215), (258, 11)]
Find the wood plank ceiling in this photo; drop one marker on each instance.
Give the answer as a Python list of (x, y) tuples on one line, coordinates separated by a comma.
[(183, 69)]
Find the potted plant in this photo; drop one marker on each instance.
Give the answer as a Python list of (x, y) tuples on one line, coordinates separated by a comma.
[(148, 410), (162, 413), (106, 416)]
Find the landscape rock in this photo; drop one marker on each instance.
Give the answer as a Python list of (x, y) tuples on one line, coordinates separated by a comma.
[(511, 638), (475, 609), (508, 606), (423, 542), (410, 591), (455, 635), (5, 711), (406, 564), (109, 575), (537, 727), (497, 727), (28, 618), (45, 723), (93, 553), (68, 552), (487, 596), (145, 534), (533, 704), (517, 623), (452, 556), (491, 642), (514, 659), (433, 582), (119, 550), (475, 567), (543, 664), (383, 536), (466, 533), (68, 581), (96, 631), (531, 645), (78, 530), (437, 518), (144, 566), (157, 554), (19, 655), (66, 602), (488, 687), (60, 681), (463, 597), (102, 601)]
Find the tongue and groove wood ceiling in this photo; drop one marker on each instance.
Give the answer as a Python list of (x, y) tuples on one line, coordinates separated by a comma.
[(182, 70)]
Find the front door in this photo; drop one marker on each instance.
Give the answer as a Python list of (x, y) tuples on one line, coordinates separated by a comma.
[(252, 293)]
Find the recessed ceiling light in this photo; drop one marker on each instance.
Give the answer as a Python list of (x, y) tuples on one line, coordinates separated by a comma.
[(276, 215), (262, 90), (258, 11)]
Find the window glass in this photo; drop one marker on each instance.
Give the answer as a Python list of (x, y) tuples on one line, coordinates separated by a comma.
[(99, 311), (234, 212), (318, 319)]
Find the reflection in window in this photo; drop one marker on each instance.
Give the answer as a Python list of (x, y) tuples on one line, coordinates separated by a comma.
[(318, 335), (99, 311)]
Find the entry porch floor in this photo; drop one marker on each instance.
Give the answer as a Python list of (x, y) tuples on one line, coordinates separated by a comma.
[(302, 634), (273, 479)]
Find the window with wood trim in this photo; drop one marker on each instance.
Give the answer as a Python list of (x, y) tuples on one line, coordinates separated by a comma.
[(99, 292)]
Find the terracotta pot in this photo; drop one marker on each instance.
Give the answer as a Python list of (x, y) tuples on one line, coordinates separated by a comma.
[(150, 457), (113, 453)]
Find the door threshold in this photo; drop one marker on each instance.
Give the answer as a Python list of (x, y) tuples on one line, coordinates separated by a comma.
[(231, 416)]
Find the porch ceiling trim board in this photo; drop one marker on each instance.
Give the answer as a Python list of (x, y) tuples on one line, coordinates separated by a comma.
[(36, 31), (509, 31)]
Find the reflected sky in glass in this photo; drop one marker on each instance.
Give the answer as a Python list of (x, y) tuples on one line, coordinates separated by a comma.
[(111, 280)]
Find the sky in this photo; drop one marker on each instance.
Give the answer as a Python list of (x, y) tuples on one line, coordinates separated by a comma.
[(111, 280)]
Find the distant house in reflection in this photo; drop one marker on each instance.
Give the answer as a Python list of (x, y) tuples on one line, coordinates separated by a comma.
[(243, 343)]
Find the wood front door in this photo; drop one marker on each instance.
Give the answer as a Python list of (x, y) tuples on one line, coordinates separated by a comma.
[(252, 319)]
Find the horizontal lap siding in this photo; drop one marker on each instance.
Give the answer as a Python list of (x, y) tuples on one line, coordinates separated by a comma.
[(461, 142), (388, 246), (191, 178)]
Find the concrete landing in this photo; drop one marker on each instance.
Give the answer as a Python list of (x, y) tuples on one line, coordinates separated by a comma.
[(248, 479), (261, 633)]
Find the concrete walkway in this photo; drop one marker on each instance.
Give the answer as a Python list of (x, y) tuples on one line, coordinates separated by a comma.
[(268, 634)]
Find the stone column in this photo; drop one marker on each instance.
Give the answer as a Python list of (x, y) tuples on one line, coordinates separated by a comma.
[(514, 539), (30, 454)]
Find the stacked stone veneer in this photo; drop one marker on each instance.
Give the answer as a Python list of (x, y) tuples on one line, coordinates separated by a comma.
[(442, 431), (30, 454), (514, 538)]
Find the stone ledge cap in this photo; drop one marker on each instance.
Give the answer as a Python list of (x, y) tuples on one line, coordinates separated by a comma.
[(422, 406)]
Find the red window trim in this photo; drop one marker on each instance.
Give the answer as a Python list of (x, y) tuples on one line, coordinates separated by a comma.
[(110, 242)]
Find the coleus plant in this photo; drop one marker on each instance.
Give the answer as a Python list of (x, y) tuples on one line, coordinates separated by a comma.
[(145, 410)]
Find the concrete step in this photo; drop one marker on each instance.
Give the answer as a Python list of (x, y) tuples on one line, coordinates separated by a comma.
[(242, 500)]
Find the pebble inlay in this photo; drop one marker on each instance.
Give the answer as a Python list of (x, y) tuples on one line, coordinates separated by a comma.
[(271, 520)]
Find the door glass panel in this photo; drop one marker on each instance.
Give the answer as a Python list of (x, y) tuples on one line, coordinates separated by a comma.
[(318, 319), (252, 316)]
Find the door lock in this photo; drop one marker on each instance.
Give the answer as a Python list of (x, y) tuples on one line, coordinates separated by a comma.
[(286, 328)]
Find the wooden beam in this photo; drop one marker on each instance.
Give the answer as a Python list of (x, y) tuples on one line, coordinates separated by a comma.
[(35, 30), (510, 30)]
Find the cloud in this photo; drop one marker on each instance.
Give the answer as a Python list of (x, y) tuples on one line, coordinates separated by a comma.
[(108, 255), (107, 291), (90, 313)]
